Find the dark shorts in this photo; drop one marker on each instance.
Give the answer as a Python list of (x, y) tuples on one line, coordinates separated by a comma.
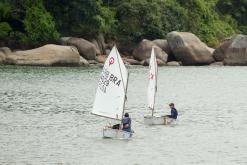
[(116, 126), (170, 116)]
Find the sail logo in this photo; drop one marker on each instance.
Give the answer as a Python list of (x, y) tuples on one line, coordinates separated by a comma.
[(107, 78), (111, 61), (151, 77)]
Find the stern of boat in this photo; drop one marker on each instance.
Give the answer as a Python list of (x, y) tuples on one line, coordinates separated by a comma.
[(157, 120), (116, 133)]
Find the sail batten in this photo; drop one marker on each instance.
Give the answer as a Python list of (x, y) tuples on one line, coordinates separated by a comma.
[(110, 96), (152, 85)]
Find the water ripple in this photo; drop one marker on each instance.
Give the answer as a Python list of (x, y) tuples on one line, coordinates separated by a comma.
[(45, 117)]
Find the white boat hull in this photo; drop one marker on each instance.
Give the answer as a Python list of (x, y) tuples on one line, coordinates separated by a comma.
[(116, 133), (158, 120)]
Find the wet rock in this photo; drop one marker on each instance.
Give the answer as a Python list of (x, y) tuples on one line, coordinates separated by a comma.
[(47, 55), (4, 52), (163, 44), (2, 57), (86, 49), (143, 51), (188, 49), (232, 51)]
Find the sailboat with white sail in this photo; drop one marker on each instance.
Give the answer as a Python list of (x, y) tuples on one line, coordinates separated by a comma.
[(111, 94), (152, 90)]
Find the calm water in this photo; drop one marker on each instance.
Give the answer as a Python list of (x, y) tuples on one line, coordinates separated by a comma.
[(45, 117)]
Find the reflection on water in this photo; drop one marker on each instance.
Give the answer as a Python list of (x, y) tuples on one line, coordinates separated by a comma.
[(45, 117)]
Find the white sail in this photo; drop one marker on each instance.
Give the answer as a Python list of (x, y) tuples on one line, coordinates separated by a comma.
[(111, 93), (152, 86)]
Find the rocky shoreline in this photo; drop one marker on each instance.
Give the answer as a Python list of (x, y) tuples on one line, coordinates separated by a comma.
[(180, 48)]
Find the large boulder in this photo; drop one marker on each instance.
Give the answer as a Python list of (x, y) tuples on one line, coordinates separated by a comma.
[(96, 46), (163, 44), (86, 49), (143, 51), (2, 57), (99, 42), (4, 52), (47, 55), (232, 51), (188, 49)]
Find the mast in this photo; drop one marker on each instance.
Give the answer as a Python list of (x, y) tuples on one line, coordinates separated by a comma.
[(125, 98), (125, 88)]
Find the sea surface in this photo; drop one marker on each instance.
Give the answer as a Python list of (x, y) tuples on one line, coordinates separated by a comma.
[(45, 117)]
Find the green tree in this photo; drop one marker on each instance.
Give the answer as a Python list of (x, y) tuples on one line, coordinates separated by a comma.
[(173, 17), (138, 19), (26, 21), (204, 21), (237, 9), (39, 24), (81, 17), (5, 28), (128, 21)]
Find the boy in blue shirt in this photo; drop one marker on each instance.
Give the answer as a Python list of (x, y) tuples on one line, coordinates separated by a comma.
[(174, 112), (126, 123)]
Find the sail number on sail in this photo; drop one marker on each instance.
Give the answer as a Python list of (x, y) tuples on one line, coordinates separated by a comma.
[(107, 78)]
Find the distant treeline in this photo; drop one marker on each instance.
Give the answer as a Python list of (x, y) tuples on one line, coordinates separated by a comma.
[(127, 21)]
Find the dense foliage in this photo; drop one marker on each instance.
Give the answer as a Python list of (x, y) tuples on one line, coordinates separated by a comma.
[(128, 21), (236, 9)]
